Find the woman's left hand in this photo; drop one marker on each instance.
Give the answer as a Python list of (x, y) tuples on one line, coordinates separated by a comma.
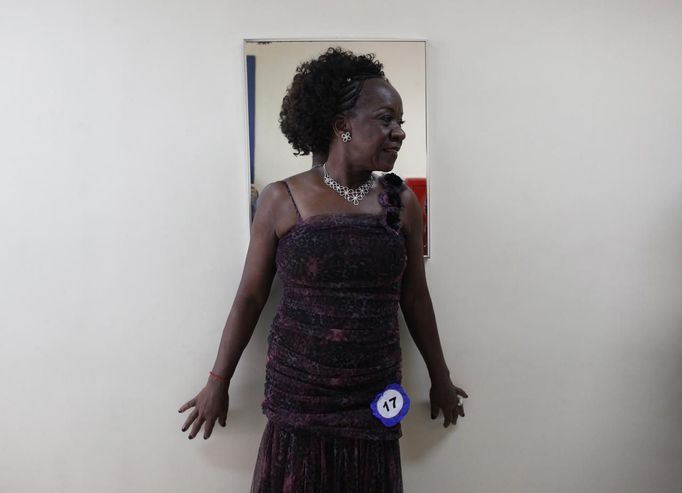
[(445, 397)]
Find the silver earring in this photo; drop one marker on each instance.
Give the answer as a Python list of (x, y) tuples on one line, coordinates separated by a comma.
[(345, 136)]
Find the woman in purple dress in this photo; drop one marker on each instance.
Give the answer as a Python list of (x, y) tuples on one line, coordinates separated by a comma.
[(347, 244)]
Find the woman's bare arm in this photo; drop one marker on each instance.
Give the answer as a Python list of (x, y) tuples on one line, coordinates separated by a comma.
[(255, 284), (416, 305), (212, 402)]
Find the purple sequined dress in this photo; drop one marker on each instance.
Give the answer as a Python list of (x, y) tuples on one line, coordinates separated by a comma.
[(333, 345)]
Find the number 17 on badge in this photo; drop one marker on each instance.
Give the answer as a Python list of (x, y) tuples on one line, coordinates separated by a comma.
[(391, 405)]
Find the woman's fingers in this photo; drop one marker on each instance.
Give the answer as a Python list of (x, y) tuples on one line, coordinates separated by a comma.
[(190, 419), (451, 414), (187, 405), (223, 420), (447, 417), (434, 410), (451, 410), (460, 408), (196, 428), (455, 415), (208, 427)]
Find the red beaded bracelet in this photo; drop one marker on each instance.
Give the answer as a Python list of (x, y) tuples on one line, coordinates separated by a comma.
[(215, 375)]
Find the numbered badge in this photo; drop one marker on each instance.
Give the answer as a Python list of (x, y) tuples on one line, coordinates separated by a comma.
[(391, 405)]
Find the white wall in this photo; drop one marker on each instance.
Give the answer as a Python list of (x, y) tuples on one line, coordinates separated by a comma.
[(556, 269)]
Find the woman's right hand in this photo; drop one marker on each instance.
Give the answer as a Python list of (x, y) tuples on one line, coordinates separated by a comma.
[(210, 404)]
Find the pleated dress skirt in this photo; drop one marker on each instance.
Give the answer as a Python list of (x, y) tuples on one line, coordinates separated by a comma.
[(298, 461)]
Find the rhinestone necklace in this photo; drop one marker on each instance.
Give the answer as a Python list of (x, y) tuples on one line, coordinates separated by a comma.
[(354, 195)]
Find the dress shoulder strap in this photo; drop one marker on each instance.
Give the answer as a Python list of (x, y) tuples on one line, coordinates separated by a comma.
[(298, 214)]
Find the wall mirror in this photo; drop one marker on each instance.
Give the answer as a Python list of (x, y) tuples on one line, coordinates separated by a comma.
[(270, 68)]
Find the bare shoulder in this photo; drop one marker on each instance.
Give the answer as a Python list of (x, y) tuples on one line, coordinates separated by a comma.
[(277, 193), (272, 196), (305, 188), (272, 208), (276, 205), (408, 197), (412, 212)]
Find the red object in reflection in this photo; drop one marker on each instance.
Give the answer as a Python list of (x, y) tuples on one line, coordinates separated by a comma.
[(418, 186)]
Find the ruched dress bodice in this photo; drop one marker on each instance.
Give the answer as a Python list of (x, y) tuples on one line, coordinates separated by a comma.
[(334, 342)]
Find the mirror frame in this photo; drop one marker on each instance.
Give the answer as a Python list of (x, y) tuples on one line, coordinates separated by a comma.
[(331, 41)]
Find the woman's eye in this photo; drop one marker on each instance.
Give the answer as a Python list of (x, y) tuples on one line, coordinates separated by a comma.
[(388, 119)]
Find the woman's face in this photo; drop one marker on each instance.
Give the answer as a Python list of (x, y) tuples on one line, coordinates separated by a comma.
[(375, 125)]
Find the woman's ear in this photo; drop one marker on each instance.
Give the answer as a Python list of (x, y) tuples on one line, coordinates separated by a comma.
[(340, 125)]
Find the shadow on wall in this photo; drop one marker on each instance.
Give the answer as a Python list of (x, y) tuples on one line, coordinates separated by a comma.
[(421, 434)]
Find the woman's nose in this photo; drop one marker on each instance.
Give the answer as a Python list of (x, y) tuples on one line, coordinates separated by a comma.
[(398, 134)]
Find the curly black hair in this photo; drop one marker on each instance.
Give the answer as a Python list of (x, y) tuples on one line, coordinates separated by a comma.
[(323, 88)]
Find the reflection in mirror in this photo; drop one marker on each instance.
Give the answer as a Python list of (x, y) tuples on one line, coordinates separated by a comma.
[(270, 68)]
